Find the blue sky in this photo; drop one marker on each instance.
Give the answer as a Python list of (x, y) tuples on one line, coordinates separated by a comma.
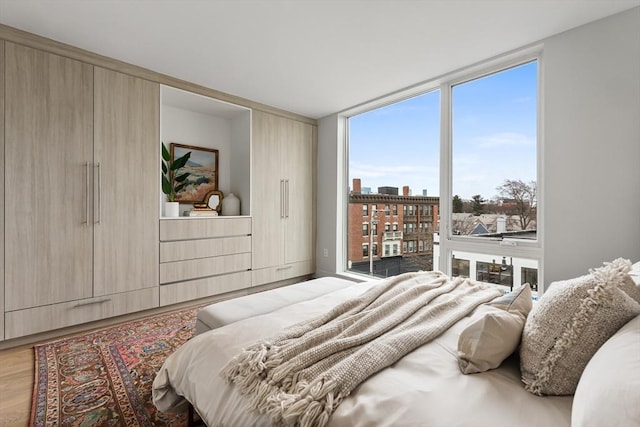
[(494, 137)]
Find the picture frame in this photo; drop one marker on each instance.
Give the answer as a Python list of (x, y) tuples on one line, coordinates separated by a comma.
[(213, 200), (203, 172)]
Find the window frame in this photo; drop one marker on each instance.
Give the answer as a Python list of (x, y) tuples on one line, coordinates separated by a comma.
[(503, 247), (449, 243)]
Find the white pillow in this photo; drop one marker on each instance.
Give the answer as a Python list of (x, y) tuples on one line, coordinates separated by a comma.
[(494, 331), (608, 393), (635, 273)]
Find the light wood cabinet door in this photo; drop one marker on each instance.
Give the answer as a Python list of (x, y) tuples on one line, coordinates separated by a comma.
[(1, 191), (299, 171), (283, 193), (267, 209), (126, 218), (48, 148)]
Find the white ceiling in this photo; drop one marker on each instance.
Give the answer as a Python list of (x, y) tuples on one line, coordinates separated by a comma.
[(312, 57)]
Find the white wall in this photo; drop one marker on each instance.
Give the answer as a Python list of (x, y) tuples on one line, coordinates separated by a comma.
[(591, 156), (330, 163), (592, 146), (240, 162), (231, 137), (202, 130)]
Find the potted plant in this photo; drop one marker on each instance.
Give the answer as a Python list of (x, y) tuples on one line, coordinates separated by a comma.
[(172, 181)]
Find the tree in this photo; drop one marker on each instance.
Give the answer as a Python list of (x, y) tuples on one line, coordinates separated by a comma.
[(457, 204), (477, 204), (519, 198)]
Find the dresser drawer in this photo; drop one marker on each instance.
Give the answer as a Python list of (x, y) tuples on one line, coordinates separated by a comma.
[(39, 319), (180, 271), (283, 272), (202, 228), (200, 288), (202, 248)]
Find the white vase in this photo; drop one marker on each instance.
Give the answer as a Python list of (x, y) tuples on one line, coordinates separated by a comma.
[(171, 209), (230, 205)]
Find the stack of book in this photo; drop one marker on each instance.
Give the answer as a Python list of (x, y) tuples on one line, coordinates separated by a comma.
[(202, 211)]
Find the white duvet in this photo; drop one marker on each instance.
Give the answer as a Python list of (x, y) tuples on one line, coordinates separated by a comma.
[(425, 388)]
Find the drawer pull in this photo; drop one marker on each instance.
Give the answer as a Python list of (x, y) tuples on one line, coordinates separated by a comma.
[(286, 267), (98, 301)]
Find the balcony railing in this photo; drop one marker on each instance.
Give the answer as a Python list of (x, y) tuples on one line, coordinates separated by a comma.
[(392, 235)]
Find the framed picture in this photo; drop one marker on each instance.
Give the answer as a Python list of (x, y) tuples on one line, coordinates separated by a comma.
[(214, 200), (203, 172)]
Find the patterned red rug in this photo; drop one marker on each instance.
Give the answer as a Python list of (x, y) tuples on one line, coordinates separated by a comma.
[(103, 378)]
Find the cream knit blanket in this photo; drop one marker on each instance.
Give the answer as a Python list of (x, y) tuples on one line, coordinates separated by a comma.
[(301, 375)]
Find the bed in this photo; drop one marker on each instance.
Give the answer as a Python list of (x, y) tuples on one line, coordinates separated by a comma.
[(424, 388)]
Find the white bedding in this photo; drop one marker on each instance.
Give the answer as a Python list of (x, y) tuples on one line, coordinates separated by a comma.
[(425, 388)]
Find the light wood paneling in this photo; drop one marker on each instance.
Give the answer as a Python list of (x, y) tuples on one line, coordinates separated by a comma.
[(2, 190), (195, 268), (268, 190), (203, 248), (275, 274), (298, 167), (283, 194), (39, 319), (185, 229), (126, 183), (48, 135), (185, 291)]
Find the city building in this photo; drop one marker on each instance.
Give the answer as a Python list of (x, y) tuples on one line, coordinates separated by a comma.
[(390, 233)]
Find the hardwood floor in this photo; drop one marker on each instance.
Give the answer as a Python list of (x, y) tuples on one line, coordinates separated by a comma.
[(16, 385)]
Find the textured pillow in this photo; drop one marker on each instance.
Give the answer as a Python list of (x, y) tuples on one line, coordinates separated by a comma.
[(568, 325), (494, 332), (635, 273), (632, 284), (608, 393)]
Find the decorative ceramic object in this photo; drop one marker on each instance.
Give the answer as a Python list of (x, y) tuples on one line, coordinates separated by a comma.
[(171, 209), (231, 205)]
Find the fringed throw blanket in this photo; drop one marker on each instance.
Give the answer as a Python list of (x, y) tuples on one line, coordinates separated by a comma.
[(301, 375)]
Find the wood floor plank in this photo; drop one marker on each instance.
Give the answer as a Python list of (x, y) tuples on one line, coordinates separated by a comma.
[(16, 385)]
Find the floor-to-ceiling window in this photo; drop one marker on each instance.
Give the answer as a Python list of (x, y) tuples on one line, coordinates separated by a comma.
[(459, 166), (394, 175)]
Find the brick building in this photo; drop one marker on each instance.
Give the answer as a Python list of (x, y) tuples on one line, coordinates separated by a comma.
[(396, 229)]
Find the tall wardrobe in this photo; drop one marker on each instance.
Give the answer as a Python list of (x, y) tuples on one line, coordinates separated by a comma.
[(80, 191), (82, 234)]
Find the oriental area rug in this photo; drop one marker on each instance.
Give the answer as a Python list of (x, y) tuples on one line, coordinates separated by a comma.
[(104, 377)]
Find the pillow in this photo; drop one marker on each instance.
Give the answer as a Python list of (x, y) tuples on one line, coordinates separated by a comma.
[(608, 392), (568, 325), (634, 282), (494, 332), (635, 272)]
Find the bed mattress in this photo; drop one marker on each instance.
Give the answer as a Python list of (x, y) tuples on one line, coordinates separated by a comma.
[(424, 388)]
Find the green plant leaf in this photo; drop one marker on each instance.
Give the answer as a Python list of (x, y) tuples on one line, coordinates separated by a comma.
[(182, 177), (166, 186), (180, 162), (180, 187), (164, 168), (165, 153)]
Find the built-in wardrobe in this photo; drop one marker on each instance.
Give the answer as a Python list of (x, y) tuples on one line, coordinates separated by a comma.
[(81, 221)]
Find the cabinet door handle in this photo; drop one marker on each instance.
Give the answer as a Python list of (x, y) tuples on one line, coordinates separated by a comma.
[(97, 301), (86, 195), (99, 194), (282, 198), (286, 205)]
